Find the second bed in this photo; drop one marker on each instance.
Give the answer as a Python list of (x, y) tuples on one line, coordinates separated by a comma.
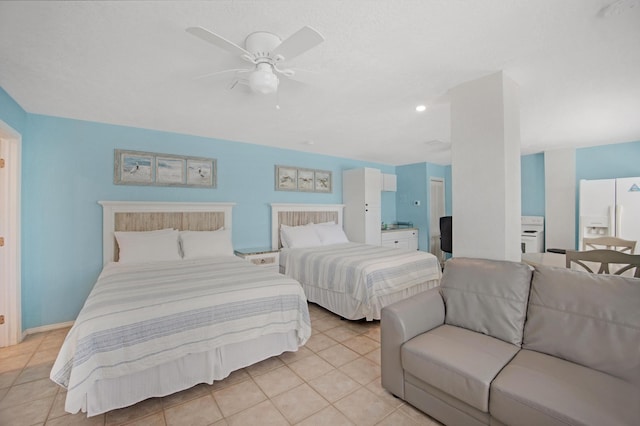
[(350, 279)]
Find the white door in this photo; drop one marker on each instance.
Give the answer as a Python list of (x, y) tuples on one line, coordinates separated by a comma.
[(373, 218), (4, 285), (11, 329), (436, 211), (372, 188), (628, 208)]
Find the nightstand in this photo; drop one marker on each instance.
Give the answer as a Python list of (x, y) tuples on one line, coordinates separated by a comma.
[(266, 257)]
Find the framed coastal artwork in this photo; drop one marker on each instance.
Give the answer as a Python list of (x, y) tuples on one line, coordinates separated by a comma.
[(286, 178), (298, 179), (148, 168), (305, 180), (322, 181)]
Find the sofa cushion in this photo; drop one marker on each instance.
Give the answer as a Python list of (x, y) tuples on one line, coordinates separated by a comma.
[(538, 389), (459, 362), (487, 296), (592, 320)]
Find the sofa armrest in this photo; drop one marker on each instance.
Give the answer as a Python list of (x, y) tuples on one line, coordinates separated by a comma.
[(400, 322)]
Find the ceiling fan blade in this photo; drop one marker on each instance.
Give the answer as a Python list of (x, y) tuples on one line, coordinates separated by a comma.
[(298, 43), (240, 81), (217, 40), (211, 74), (302, 76)]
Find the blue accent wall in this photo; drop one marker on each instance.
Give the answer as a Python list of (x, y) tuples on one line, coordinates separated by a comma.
[(413, 184), (532, 185), (608, 161), (12, 113)]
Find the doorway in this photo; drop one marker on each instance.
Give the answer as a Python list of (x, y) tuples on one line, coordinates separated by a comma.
[(10, 311), (436, 211)]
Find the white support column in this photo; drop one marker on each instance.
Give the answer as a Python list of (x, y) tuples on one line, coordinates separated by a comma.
[(485, 166), (560, 198)]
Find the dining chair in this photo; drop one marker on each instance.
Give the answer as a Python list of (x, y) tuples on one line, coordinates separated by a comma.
[(609, 243), (605, 259)]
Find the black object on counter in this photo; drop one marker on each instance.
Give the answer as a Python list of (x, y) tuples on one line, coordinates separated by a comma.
[(557, 250)]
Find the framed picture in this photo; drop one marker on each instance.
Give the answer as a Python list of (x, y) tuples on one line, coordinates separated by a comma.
[(201, 172), (169, 170), (148, 168), (133, 167), (322, 181), (286, 178), (305, 180)]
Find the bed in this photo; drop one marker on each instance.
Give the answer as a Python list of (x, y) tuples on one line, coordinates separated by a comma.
[(350, 279), (149, 329)]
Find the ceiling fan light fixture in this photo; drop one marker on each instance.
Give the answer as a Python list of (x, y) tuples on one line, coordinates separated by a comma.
[(263, 80)]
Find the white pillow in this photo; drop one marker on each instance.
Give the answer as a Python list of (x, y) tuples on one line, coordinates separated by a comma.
[(299, 236), (283, 240), (148, 246), (331, 234), (204, 244), (326, 223)]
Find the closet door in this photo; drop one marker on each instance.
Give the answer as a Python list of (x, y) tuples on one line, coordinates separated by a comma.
[(436, 211)]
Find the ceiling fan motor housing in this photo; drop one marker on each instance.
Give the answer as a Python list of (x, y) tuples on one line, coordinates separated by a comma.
[(261, 44)]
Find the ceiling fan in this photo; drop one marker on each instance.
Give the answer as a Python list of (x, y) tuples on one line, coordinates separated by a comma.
[(266, 51)]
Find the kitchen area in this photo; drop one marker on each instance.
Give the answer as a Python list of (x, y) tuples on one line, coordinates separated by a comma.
[(399, 235)]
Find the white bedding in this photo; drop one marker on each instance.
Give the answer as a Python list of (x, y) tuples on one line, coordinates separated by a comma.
[(140, 317), (356, 280)]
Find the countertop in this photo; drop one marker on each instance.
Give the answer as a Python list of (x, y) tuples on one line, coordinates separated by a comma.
[(399, 229)]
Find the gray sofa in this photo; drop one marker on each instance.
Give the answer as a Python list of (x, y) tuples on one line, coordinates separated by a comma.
[(499, 343)]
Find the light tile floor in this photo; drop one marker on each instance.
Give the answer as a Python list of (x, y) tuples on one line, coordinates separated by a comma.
[(333, 380)]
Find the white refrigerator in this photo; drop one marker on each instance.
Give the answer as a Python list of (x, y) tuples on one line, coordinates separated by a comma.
[(610, 207)]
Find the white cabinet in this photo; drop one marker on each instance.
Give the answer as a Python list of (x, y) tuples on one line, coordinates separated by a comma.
[(389, 182), (400, 238), (361, 196)]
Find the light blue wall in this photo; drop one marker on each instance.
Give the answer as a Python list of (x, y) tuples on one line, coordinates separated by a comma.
[(12, 113), (532, 185), (68, 166), (413, 184), (608, 161)]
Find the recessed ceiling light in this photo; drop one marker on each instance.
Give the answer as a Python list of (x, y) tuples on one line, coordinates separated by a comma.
[(421, 108), (308, 142)]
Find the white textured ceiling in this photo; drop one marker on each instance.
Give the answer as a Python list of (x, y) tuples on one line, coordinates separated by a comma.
[(577, 63)]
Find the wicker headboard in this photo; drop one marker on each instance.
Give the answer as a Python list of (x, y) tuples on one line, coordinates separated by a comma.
[(149, 216), (301, 214)]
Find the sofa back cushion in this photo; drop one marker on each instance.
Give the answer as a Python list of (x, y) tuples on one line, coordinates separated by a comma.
[(487, 296), (590, 319)]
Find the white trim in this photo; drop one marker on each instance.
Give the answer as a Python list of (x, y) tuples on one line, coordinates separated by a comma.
[(10, 273), (49, 327), (291, 207), (110, 208)]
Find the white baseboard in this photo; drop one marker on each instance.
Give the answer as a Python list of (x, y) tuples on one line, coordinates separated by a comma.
[(46, 328)]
